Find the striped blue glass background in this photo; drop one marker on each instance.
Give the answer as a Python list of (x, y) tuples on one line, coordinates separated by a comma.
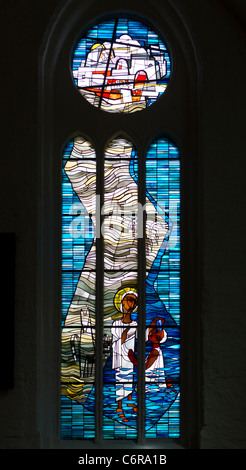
[(76, 422), (163, 186)]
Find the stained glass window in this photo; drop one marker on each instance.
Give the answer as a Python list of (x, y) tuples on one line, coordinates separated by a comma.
[(120, 310), (115, 49), (121, 65)]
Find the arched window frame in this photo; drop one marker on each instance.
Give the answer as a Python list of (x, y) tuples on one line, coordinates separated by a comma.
[(64, 114)]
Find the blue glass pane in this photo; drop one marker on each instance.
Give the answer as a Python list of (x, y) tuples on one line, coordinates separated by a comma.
[(163, 292), (78, 290)]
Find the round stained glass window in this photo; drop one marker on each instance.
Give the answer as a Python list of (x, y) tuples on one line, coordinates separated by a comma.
[(121, 65)]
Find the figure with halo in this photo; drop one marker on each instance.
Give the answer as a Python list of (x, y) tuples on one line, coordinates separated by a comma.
[(124, 335)]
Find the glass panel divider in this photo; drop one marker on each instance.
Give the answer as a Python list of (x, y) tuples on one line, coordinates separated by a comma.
[(141, 298), (99, 300)]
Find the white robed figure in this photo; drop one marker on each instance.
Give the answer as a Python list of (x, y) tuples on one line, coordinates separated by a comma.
[(124, 335)]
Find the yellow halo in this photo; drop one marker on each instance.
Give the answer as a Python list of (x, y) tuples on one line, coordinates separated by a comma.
[(97, 45), (120, 294)]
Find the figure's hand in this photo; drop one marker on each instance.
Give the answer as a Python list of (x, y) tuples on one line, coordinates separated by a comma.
[(153, 355), (132, 357)]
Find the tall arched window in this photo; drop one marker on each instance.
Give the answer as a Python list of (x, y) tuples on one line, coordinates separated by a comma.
[(118, 122)]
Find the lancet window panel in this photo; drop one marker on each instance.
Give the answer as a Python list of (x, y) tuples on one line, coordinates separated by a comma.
[(162, 348), (78, 290), (120, 315), (120, 285)]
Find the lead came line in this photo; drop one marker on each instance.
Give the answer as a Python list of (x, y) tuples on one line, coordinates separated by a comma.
[(109, 56), (141, 295), (99, 304)]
